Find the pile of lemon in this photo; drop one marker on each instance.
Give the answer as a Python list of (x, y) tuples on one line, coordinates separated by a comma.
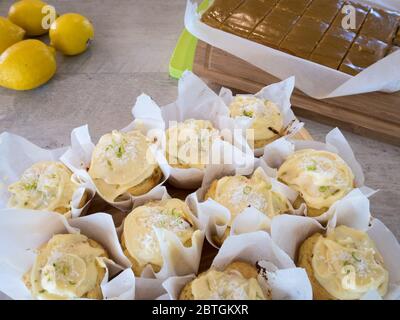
[(26, 64)]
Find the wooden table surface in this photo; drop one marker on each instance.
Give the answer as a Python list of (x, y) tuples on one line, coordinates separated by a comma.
[(130, 55)]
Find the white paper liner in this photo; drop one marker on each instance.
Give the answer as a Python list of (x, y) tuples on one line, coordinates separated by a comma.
[(286, 281), (78, 158), (279, 93), (23, 231), (18, 154), (178, 260), (313, 79), (289, 232), (197, 101), (214, 217), (278, 151)]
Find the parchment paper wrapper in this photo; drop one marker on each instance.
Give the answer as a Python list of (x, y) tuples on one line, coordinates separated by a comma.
[(78, 158), (18, 154), (285, 280), (279, 93), (197, 101), (177, 259), (289, 232), (313, 79), (214, 217), (23, 231), (278, 151)]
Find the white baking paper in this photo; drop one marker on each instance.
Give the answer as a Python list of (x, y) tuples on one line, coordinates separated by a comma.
[(279, 93), (18, 154), (78, 157), (286, 281), (289, 232), (23, 231), (197, 101), (277, 152), (313, 79), (214, 218)]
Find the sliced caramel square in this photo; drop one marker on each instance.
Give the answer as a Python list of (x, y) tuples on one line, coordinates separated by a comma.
[(219, 11), (324, 10), (296, 6), (304, 37), (274, 28), (381, 25), (364, 52), (342, 19), (333, 47), (246, 17), (392, 49), (396, 40)]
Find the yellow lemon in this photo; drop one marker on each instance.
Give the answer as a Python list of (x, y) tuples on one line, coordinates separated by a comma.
[(27, 65), (10, 33), (71, 34), (32, 15)]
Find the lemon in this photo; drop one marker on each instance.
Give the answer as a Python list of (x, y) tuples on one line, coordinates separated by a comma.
[(71, 34), (27, 65), (10, 33), (30, 15)]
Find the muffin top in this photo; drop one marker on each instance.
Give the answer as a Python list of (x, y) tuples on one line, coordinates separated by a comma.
[(234, 283), (237, 193), (347, 264), (189, 143), (267, 119), (139, 234), (67, 267), (44, 186), (321, 177), (120, 161)]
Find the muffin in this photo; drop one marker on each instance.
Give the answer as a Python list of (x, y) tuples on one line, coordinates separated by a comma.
[(236, 193), (321, 178), (189, 143), (45, 186), (139, 240), (68, 266), (267, 120), (239, 281), (343, 265), (122, 162)]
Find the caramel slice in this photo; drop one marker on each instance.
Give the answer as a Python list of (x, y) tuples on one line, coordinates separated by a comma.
[(364, 52), (396, 40), (219, 11), (304, 37), (333, 47), (323, 10), (380, 25), (341, 19), (392, 49), (295, 6), (274, 28), (246, 17)]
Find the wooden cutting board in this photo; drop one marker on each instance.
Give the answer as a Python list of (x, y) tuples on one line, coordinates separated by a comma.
[(375, 115)]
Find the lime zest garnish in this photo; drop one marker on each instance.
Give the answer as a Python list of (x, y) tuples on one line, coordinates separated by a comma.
[(176, 213), (354, 257), (109, 164), (323, 188), (247, 190), (32, 186), (248, 113)]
